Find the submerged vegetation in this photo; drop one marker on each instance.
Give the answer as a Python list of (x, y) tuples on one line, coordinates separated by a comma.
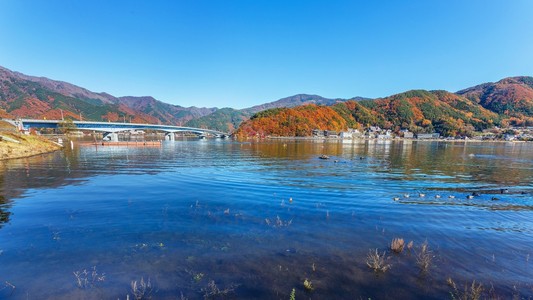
[(376, 261), (424, 257), (278, 244), (397, 245)]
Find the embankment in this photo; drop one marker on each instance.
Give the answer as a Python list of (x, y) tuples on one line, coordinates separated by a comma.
[(15, 145)]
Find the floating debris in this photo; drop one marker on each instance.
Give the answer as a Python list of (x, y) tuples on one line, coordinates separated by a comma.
[(323, 156)]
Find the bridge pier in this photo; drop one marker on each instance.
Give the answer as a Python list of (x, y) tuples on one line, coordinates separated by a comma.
[(110, 136), (169, 136)]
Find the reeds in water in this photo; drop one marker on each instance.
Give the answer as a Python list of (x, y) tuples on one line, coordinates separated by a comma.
[(397, 245), (376, 261)]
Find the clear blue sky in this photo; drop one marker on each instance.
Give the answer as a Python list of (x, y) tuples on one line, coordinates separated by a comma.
[(242, 53)]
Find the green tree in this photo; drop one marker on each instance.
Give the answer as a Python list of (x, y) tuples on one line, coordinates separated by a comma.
[(66, 126)]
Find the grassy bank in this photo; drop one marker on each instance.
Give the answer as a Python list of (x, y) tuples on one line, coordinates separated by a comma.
[(15, 145)]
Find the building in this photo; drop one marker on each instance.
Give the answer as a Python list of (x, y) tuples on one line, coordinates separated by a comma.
[(426, 136)]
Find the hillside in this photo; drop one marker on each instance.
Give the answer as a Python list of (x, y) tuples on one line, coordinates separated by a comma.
[(40, 97), (15, 145), (418, 111), (506, 102), (164, 112), (296, 100), (296, 121), (510, 97), (225, 120), (228, 120)]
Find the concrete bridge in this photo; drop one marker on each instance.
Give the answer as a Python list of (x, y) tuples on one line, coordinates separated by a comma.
[(111, 129)]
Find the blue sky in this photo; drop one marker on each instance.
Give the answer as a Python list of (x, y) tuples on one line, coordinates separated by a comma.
[(243, 53)]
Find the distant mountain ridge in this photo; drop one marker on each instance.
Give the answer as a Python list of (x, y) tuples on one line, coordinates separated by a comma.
[(39, 97), (510, 99), (512, 96), (419, 111), (297, 100)]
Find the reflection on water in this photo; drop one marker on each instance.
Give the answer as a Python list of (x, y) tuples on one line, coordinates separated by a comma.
[(257, 219)]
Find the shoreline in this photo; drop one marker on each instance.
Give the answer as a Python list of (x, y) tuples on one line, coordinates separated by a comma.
[(15, 146), (353, 140)]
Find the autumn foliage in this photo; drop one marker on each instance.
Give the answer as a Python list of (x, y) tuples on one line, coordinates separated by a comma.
[(297, 121), (419, 111)]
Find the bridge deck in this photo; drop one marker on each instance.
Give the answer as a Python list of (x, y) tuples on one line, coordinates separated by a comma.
[(116, 127)]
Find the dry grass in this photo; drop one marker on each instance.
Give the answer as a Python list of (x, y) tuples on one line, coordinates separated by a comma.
[(376, 261), (308, 285), (86, 279), (278, 222), (141, 290), (424, 257), (469, 292), (212, 291), (410, 245), (397, 245), (29, 145)]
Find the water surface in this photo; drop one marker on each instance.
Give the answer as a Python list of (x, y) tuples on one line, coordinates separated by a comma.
[(259, 218)]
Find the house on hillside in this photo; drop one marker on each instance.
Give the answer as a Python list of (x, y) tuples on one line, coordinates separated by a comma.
[(351, 134), (427, 136), (330, 133), (406, 134), (318, 132), (385, 135)]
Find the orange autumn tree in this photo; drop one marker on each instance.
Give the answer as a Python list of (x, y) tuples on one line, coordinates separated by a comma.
[(297, 121)]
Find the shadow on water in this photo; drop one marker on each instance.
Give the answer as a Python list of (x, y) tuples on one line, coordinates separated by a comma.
[(248, 220)]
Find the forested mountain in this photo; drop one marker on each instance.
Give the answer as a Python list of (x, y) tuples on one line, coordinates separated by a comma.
[(506, 102), (510, 97), (418, 111), (38, 97)]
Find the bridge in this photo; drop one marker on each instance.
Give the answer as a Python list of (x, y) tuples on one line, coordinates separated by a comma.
[(111, 129)]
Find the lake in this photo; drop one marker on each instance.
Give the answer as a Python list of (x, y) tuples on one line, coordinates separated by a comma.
[(216, 219)]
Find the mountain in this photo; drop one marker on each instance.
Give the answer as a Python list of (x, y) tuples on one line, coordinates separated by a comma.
[(297, 100), (506, 102), (225, 120), (511, 97), (417, 110), (39, 97), (229, 119), (164, 112), (296, 121)]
